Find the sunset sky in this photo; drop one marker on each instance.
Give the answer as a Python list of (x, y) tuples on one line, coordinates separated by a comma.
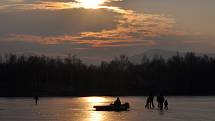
[(98, 30)]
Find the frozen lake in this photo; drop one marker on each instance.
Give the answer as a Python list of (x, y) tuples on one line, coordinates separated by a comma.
[(80, 109)]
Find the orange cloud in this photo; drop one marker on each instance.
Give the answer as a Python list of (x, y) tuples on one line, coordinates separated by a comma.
[(132, 28)]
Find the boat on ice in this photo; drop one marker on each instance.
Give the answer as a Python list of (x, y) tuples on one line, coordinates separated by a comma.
[(112, 107)]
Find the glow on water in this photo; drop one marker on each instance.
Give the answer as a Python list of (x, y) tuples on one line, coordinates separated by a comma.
[(79, 109), (95, 99)]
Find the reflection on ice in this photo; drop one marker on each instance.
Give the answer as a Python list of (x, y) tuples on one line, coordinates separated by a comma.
[(95, 99), (96, 116), (78, 109)]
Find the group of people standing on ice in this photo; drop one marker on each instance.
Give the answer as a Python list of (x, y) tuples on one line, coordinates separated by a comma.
[(160, 99)]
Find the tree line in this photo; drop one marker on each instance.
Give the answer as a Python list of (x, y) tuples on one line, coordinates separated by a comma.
[(47, 76)]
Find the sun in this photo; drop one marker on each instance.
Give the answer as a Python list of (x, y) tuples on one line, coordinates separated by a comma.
[(90, 3)]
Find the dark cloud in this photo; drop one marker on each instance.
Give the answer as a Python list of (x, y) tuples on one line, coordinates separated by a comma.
[(58, 22)]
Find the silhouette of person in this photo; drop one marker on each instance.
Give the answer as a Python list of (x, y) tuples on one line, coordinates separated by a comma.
[(166, 104), (36, 98), (147, 103), (160, 100), (117, 103), (151, 101)]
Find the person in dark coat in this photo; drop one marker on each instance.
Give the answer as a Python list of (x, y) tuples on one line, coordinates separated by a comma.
[(36, 98), (147, 103), (166, 104), (151, 101), (117, 102), (160, 100)]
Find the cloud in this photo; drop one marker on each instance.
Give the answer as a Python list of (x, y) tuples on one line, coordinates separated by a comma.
[(14, 5), (54, 23), (11, 1), (59, 27), (105, 26), (132, 29)]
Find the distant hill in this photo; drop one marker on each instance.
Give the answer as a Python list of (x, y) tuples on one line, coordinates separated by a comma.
[(166, 54)]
